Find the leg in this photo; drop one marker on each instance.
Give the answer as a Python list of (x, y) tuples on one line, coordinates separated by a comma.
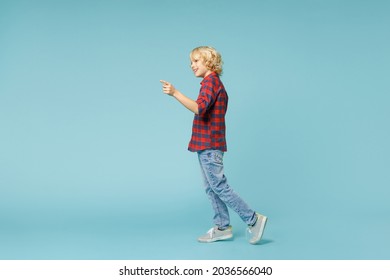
[(212, 165), (221, 213)]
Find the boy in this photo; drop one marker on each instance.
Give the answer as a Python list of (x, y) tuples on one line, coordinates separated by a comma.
[(208, 140)]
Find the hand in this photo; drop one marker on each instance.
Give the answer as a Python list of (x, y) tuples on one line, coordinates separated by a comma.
[(167, 87)]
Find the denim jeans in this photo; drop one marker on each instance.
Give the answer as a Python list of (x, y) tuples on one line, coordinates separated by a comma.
[(219, 192)]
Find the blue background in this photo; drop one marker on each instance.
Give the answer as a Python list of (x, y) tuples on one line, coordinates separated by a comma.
[(93, 156)]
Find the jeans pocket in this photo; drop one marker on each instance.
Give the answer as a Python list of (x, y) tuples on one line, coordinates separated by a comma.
[(217, 157)]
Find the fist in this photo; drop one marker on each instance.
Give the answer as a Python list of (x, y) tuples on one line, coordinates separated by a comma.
[(167, 87)]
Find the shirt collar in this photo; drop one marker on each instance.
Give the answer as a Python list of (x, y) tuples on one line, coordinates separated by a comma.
[(209, 76)]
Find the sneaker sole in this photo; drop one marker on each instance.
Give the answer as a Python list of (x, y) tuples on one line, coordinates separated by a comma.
[(260, 232), (225, 237)]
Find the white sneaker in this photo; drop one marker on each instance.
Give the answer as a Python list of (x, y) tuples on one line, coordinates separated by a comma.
[(256, 231), (214, 234)]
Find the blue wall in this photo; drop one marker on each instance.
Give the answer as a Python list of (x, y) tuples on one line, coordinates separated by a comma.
[(93, 155)]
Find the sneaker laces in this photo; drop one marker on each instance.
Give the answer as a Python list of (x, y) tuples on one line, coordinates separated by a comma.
[(248, 233), (210, 232)]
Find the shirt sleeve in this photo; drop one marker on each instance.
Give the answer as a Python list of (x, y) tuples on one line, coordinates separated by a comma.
[(206, 98)]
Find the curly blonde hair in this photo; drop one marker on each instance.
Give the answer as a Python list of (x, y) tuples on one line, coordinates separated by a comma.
[(211, 58)]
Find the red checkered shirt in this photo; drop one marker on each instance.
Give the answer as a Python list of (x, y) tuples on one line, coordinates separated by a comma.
[(208, 128)]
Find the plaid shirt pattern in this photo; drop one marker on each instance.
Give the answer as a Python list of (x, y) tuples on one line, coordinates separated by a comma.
[(208, 129)]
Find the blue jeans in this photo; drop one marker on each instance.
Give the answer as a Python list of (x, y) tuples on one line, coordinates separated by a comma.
[(219, 192)]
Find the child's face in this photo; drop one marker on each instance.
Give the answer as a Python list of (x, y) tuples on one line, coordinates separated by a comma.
[(198, 66)]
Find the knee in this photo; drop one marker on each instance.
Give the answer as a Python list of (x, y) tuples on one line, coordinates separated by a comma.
[(222, 188)]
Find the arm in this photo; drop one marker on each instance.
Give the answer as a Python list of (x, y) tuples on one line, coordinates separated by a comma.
[(190, 104)]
